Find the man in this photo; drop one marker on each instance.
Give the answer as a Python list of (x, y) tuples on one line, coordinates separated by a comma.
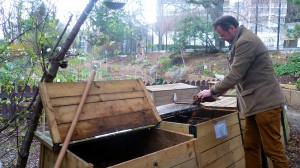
[(258, 93)]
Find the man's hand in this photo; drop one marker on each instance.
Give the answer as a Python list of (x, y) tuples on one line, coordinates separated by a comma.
[(203, 94)]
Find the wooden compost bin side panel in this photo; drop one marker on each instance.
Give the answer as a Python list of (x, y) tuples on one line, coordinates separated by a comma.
[(182, 155), (49, 157), (175, 127), (223, 152)]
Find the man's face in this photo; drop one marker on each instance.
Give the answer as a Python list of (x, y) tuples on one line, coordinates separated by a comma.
[(226, 35)]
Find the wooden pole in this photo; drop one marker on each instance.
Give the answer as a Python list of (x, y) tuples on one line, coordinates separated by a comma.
[(74, 122)]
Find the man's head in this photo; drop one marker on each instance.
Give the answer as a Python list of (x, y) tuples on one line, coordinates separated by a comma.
[(226, 27)]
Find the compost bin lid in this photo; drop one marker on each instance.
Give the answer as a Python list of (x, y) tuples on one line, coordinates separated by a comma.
[(110, 106)]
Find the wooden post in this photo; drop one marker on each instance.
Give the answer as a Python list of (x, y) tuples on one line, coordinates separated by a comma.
[(74, 122)]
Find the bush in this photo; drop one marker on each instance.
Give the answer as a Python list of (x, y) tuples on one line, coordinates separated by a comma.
[(291, 68), (298, 83)]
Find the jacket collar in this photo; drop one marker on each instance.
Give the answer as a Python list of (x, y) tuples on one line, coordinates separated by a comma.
[(237, 36)]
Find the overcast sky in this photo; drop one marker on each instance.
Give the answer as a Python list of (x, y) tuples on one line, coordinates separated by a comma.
[(66, 7)]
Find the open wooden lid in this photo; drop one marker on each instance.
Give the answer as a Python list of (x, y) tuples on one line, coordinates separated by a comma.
[(110, 106)]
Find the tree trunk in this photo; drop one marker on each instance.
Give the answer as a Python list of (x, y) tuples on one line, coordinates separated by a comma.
[(26, 143), (292, 14), (214, 8)]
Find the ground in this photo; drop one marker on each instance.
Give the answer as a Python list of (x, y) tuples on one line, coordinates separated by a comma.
[(293, 148), (119, 68)]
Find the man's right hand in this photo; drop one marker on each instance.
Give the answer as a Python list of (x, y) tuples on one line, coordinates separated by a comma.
[(203, 94)]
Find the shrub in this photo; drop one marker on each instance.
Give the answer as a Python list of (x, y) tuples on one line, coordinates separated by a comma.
[(298, 83), (292, 67)]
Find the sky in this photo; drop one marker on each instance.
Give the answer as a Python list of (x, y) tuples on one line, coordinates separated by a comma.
[(66, 7)]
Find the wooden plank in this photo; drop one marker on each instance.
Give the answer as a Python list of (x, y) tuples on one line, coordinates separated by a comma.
[(49, 113), (223, 103), (170, 157), (163, 139), (170, 99), (175, 86), (230, 93), (70, 160), (65, 114), (228, 159), (74, 100), (220, 108), (208, 128), (219, 151), (100, 87), (45, 140), (42, 156), (99, 126), (210, 141), (175, 127), (287, 86), (188, 164), (164, 93), (239, 164), (150, 101)]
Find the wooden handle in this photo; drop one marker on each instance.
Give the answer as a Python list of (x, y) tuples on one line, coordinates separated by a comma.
[(74, 122)]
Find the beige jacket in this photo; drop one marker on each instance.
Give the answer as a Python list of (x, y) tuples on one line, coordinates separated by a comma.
[(252, 73)]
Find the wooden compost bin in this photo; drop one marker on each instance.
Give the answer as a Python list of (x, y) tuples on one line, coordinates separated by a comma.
[(207, 125), (115, 129), (165, 94)]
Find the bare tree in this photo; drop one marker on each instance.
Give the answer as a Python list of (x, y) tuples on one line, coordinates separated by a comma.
[(49, 77), (292, 14), (214, 8)]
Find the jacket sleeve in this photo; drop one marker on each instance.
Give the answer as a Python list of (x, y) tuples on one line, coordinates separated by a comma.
[(243, 58)]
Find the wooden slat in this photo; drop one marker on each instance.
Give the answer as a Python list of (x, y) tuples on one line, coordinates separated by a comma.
[(49, 113), (99, 126), (150, 101), (190, 91), (74, 100), (100, 87), (65, 114), (228, 159), (287, 86), (208, 128), (171, 157), (209, 141), (169, 139), (170, 87), (188, 164), (45, 140), (170, 99), (219, 151), (70, 160), (222, 103), (239, 164), (175, 127), (42, 155)]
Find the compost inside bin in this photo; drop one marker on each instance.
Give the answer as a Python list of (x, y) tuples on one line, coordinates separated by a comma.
[(197, 116)]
